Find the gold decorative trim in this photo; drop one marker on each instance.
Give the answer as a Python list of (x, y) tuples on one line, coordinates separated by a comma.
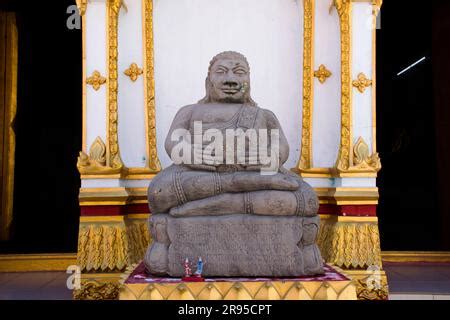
[(314, 172), (117, 196), (362, 83), (84, 84), (111, 243), (322, 74), (358, 162), (348, 196), (153, 162), (122, 196), (241, 290), (113, 159), (305, 161), (96, 80), (350, 244), (363, 161), (415, 256), (133, 72), (36, 262), (139, 236), (344, 9), (376, 6), (376, 9), (102, 246), (96, 162), (8, 82), (112, 196), (82, 6)]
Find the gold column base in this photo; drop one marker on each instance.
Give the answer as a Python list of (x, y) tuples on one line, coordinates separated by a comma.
[(350, 242), (108, 244)]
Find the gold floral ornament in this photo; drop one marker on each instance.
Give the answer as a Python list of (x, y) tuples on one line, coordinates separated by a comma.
[(322, 74), (362, 159), (96, 80), (133, 71), (95, 162), (362, 83)]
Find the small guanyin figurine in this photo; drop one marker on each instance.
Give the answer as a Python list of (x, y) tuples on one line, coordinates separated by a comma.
[(187, 268), (199, 271)]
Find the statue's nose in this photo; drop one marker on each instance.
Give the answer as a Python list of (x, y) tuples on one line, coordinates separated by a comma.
[(230, 83)]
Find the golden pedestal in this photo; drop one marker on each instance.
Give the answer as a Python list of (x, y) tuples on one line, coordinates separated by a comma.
[(333, 286)]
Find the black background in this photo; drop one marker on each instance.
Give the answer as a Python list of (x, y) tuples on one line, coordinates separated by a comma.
[(48, 129)]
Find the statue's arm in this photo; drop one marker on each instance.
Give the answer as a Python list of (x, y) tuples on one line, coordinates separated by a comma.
[(181, 121), (273, 123)]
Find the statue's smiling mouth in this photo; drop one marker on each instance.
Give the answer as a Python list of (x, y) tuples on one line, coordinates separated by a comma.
[(230, 90)]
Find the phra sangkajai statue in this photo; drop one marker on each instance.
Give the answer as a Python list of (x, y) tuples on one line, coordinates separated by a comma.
[(227, 197)]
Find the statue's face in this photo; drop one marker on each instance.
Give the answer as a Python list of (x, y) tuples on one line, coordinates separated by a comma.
[(229, 79)]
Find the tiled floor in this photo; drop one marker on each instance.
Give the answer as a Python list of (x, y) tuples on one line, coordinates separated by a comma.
[(406, 282), (34, 286), (418, 281)]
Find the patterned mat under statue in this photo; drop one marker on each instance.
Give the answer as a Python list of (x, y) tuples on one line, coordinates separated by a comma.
[(227, 197)]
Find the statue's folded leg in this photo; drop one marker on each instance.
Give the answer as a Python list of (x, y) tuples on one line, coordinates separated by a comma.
[(270, 203), (176, 186)]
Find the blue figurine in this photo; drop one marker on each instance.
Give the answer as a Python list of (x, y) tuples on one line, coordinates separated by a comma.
[(199, 271)]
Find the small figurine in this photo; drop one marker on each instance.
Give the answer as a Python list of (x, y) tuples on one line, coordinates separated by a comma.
[(187, 268), (197, 277), (199, 271)]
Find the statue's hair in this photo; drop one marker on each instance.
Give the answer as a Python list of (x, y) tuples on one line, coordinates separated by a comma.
[(226, 55)]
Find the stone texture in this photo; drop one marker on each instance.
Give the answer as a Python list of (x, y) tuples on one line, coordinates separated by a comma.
[(236, 245)]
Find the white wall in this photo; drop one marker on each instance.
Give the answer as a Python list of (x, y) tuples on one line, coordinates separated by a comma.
[(326, 131), (362, 62), (188, 33), (131, 108), (95, 20)]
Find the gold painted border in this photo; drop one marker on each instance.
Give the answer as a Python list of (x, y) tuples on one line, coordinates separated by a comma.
[(305, 161), (122, 196), (416, 256), (37, 262), (112, 145), (153, 163), (345, 155), (84, 146), (9, 143)]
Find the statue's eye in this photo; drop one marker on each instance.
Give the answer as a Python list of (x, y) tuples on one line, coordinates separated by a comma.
[(239, 71), (221, 71)]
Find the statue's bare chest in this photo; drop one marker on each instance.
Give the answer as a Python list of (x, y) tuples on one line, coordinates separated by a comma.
[(215, 114)]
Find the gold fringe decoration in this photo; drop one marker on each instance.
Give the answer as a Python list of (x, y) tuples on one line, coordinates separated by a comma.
[(350, 244), (106, 246), (139, 238)]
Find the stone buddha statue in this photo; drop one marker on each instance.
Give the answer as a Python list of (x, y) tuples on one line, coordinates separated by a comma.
[(226, 198)]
